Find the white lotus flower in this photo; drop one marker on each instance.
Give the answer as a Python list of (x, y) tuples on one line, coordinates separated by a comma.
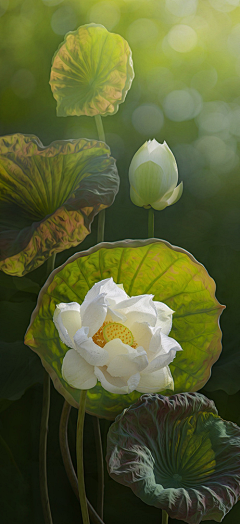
[(119, 340), (153, 176)]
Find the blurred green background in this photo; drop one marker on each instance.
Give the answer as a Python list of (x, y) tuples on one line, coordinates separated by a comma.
[(186, 56)]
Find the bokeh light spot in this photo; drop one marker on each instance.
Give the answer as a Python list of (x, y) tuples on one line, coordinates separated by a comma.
[(214, 117), (234, 40), (23, 83), (182, 38), (105, 13), (235, 121), (219, 154), (142, 32), (182, 7), (148, 119), (63, 20), (182, 104), (204, 80), (224, 6)]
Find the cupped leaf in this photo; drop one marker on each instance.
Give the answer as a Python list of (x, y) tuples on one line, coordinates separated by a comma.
[(49, 196), (177, 454), (92, 72), (171, 274)]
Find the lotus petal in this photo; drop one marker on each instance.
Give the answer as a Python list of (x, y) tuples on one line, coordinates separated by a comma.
[(49, 196), (177, 454), (92, 72), (169, 273)]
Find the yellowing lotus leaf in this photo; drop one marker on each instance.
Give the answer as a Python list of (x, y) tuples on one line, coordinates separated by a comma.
[(49, 196), (91, 72)]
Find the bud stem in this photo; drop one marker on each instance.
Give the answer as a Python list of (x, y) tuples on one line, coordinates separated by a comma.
[(151, 223), (101, 215), (100, 130)]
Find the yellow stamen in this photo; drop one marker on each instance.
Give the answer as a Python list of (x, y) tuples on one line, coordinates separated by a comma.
[(110, 330), (115, 330)]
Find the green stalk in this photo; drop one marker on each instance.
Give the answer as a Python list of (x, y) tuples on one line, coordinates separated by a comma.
[(164, 517), (100, 130), (44, 431), (101, 225), (100, 466), (51, 264), (67, 460), (101, 215), (80, 467), (43, 450), (151, 223)]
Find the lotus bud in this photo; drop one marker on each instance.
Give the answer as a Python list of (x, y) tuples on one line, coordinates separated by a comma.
[(153, 176)]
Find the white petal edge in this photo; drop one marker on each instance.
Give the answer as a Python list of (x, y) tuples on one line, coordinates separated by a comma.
[(91, 352), (116, 385), (139, 308), (113, 291), (141, 156), (168, 348), (156, 381), (77, 372), (163, 202), (164, 317), (94, 314), (136, 199), (67, 319), (126, 365)]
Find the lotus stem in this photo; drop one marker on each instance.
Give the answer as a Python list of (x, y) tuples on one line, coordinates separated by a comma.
[(51, 263), (44, 431), (151, 223), (67, 460), (101, 215), (43, 450), (100, 466), (164, 517), (63, 441), (100, 130), (80, 467), (101, 226)]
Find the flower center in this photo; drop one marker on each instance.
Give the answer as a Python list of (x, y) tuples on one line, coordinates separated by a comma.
[(110, 330)]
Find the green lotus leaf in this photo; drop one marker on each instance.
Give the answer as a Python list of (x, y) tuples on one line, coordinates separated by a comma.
[(49, 196), (177, 454), (92, 72), (142, 266)]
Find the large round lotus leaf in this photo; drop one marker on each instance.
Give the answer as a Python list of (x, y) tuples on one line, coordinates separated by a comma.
[(176, 454), (92, 72), (142, 266), (49, 196)]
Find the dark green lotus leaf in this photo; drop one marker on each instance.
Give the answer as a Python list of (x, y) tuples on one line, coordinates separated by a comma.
[(177, 454), (20, 369), (92, 72), (142, 266), (49, 196)]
